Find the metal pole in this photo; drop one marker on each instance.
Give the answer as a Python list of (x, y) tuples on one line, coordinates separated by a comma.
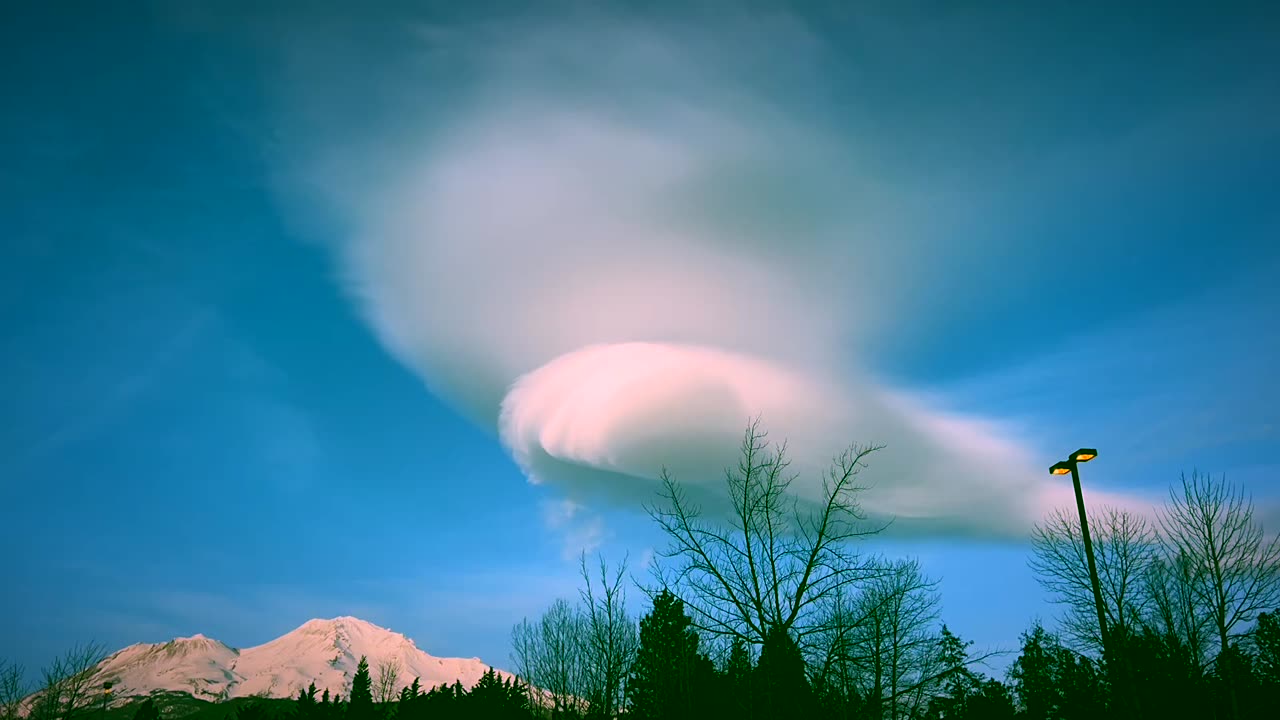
[(1088, 551)]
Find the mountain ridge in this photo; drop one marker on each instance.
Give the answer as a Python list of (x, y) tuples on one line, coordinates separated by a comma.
[(323, 651)]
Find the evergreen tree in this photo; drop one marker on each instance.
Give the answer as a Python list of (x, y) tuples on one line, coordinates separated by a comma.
[(1053, 683), (784, 688), (253, 710), (491, 699), (1033, 675), (668, 668), (961, 685), (737, 680), (360, 707), (1082, 687), (147, 711), (518, 698), (1165, 678), (1266, 638), (306, 707), (992, 701)]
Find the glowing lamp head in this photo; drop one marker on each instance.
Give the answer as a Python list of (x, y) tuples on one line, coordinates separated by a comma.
[(1084, 455), (1061, 468), (106, 687)]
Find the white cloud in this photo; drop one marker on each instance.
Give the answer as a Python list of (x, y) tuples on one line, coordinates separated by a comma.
[(615, 277)]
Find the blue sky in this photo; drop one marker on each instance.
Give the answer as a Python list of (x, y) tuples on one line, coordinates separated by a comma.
[(245, 386)]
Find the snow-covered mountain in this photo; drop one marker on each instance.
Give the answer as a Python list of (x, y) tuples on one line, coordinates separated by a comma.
[(322, 651)]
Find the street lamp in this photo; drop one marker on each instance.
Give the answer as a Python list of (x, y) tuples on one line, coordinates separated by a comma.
[(1072, 465), (106, 697)]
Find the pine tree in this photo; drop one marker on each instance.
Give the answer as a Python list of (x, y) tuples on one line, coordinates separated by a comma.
[(992, 701), (1266, 637), (780, 677), (1054, 683), (252, 710), (517, 698), (306, 707), (1033, 674), (487, 698), (147, 711), (737, 679), (669, 670), (960, 685), (360, 707)]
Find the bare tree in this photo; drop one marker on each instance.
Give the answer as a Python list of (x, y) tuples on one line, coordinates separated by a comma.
[(611, 639), (1175, 608), (1234, 572), (13, 690), (832, 651), (384, 688), (549, 654), (893, 639), (1124, 547), (777, 559), (65, 689)]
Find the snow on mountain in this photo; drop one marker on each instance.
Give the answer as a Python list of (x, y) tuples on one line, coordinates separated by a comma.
[(196, 665), (322, 651)]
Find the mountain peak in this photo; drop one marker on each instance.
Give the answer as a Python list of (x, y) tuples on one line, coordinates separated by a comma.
[(324, 651), (342, 621)]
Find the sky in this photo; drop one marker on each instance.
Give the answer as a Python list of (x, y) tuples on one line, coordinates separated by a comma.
[(392, 312)]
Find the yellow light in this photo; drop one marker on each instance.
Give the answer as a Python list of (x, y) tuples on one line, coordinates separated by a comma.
[(1060, 470), (1086, 457)]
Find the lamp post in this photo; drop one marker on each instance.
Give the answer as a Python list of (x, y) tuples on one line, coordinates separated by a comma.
[(106, 697), (1072, 465)]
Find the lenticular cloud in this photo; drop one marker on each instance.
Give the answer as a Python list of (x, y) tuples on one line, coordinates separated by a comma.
[(616, 293)]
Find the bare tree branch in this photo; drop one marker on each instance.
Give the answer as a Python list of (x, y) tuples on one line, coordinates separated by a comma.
[(384, 687), (66, 688), (777, 559), (610, 641), (1232, 570), (13, 690), (1124, 546)]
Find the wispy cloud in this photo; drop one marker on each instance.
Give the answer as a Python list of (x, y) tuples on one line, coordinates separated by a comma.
[(117, 398), (581, 532)]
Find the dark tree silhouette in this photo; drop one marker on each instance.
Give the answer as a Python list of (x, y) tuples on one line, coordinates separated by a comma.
[(780, 678), (1053, 683), (738, 685), (669, 667), (360, 706), (146, 711), (1266, 637), (65, 688), (1236, 570), (13, 690)]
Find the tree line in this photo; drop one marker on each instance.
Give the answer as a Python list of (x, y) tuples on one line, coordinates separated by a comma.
[(766, 606)]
